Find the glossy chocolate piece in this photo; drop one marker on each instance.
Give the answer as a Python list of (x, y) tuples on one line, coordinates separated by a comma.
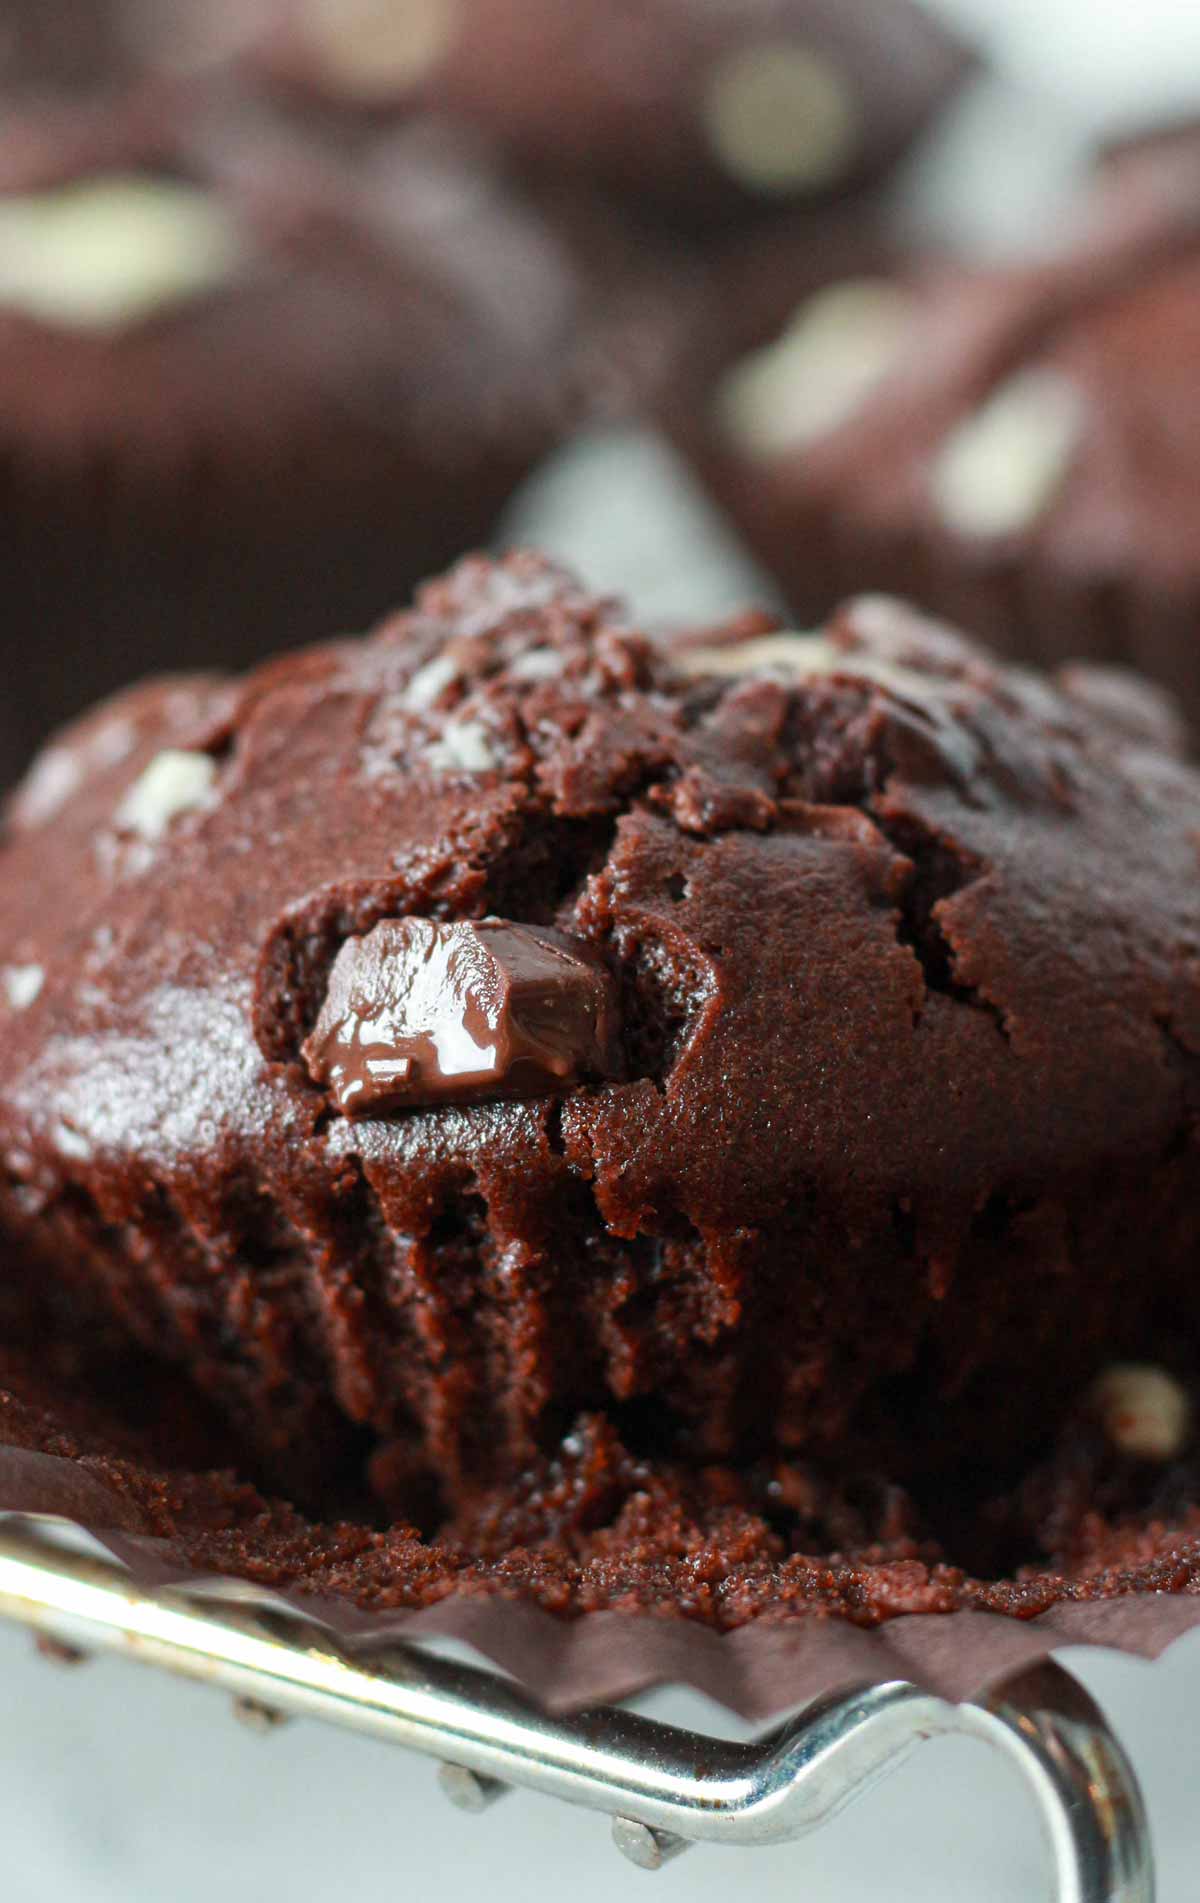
[(423, 1013)]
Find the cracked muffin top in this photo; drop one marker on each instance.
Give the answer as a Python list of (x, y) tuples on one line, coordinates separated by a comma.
[(731, 1028), (760, 835)]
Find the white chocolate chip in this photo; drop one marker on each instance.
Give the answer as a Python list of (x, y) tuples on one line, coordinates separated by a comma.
[(22, 985), (376, 49), (59, 771), (797, 655), (54, 776), (175, 782), (537, 664), (1144, 1410), (781, 118), (113, 251), (430, 682), (838, 347), (801, 657), (1002, 468), (71, 1143), (465, 747)]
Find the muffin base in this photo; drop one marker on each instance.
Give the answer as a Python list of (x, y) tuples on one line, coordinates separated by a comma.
[(594, 1528)]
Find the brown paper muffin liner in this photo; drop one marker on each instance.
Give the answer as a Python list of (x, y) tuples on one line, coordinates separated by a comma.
[(757, 1670)]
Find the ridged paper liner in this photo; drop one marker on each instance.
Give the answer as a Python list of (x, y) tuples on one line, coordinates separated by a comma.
[(756, 1671)]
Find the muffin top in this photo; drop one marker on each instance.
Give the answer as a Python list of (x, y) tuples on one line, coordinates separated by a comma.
[(857, 916), (1044, 409)]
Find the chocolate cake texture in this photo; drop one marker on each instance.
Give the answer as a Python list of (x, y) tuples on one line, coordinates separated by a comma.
[(864, 1014), (591, 1527)]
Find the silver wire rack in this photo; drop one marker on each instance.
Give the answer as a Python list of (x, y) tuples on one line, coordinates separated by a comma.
[(664, 1788)]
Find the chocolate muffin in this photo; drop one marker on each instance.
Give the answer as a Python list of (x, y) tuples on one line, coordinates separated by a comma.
[(1011, 446), (250, 393), (782, 1047), (704, 111)]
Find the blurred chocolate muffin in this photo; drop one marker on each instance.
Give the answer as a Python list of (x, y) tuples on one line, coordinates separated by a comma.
[(79, 49), (59, 46), (787, 1046), (705, 111), (1014, 447), (748, 287), (250, 393)]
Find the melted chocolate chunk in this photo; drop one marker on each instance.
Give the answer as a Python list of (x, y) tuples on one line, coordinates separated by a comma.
[(422, 1013)]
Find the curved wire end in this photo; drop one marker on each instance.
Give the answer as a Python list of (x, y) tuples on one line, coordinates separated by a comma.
[(664, 1787), (1088, 1796)]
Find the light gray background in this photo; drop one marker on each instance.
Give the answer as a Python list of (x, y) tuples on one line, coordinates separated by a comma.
[(117, 1786)]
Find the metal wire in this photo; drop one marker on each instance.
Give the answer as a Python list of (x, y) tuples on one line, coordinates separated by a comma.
[(664, 1787)]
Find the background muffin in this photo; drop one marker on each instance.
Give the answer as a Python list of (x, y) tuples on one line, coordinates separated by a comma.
[(1013, 446), (251, 393), (707, 112)]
